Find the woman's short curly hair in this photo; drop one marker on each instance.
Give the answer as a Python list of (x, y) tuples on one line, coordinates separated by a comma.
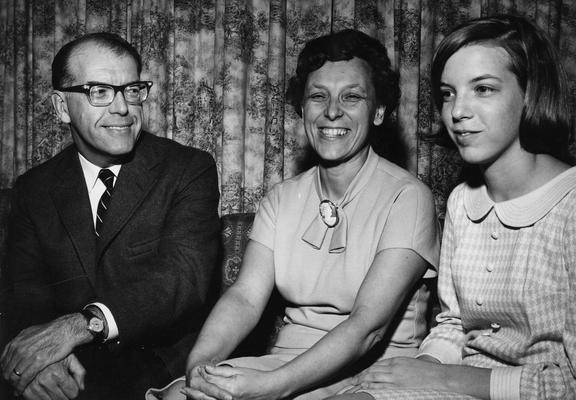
[(545, 126), (343, 46)]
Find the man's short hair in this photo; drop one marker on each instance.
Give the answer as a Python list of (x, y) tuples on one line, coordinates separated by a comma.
[(61, 75)]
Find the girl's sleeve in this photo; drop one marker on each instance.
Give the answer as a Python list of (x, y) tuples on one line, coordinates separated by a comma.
[(446, 340), (557, 380)]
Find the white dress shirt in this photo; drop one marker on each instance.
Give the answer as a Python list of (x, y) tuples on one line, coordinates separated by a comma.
[(95, 189)]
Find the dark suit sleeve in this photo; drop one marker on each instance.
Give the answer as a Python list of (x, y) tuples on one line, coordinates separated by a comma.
[(167, 296), (25, 298)]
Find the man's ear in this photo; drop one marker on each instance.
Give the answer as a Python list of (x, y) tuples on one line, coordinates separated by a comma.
[(379, 115), (60, 106)]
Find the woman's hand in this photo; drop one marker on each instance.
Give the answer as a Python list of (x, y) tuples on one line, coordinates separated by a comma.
[(403, 373), (237, 383), (198, 388)]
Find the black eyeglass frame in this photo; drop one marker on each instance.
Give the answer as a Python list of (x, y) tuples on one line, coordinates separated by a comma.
[(87, 87)]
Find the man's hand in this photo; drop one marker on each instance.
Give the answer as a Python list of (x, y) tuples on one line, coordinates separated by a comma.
[(62, 380), (39, 346)]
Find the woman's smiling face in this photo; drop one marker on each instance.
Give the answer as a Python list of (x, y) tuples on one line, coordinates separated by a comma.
[(338, 109)]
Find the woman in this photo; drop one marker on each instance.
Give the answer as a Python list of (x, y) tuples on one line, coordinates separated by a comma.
[(346, 243), (507, 278)]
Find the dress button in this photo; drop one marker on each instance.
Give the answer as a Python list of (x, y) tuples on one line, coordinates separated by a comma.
[(479, 301), (495, 326), (494, 235), (489, 268)]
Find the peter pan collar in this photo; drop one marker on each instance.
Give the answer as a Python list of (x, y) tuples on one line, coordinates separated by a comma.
[(522, 211)]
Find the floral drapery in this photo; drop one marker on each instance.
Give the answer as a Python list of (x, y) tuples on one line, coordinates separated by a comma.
[(220, 69)]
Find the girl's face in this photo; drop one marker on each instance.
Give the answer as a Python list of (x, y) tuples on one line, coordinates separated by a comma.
[(338, 109), (482, 105)]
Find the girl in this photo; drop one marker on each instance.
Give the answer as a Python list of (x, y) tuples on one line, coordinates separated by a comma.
[(507, 277)]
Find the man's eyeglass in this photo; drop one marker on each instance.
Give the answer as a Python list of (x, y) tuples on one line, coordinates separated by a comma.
[(102, 94)]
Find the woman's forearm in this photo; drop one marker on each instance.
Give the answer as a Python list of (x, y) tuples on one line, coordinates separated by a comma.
[(375, 307), (229, 323), (238, 310), (342, 346)]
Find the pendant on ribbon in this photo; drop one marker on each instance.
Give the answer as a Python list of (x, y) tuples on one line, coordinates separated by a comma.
[(329, 213)]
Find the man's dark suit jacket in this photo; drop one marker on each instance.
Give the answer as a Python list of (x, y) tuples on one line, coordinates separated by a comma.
[(152, 266)]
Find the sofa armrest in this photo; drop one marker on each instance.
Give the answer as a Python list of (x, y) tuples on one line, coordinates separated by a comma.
[(235, 236)]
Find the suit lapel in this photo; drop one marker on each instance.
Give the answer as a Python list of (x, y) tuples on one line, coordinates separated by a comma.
[(137, 177), (71, 200)]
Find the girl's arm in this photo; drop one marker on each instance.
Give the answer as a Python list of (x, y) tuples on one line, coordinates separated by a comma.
[(447, 339), (547, 380)]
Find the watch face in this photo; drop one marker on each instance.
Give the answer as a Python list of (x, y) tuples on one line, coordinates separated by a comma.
[(96, 325)]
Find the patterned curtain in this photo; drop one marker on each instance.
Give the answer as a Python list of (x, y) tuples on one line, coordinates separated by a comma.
[(220, 69)]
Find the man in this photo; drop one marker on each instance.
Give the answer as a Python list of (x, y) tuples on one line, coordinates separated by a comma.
[(107, 273)]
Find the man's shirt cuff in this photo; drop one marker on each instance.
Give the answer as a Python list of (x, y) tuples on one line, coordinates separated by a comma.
[(110, 321)]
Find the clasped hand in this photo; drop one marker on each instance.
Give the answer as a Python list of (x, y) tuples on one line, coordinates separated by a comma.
[(34, 349), (207, 382), (62, 380)]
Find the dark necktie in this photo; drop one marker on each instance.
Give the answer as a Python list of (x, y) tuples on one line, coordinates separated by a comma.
[(107, 177)]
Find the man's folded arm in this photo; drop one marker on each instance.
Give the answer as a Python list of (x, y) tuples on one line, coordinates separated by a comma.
[(173, 287)]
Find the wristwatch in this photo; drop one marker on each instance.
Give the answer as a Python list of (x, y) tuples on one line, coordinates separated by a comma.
[(95, 325)]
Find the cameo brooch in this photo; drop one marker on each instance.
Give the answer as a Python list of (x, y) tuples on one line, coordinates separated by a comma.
[(329, 213)]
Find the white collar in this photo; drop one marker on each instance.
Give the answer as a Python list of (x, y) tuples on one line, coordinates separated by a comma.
[(521, 211), (91, 171)]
